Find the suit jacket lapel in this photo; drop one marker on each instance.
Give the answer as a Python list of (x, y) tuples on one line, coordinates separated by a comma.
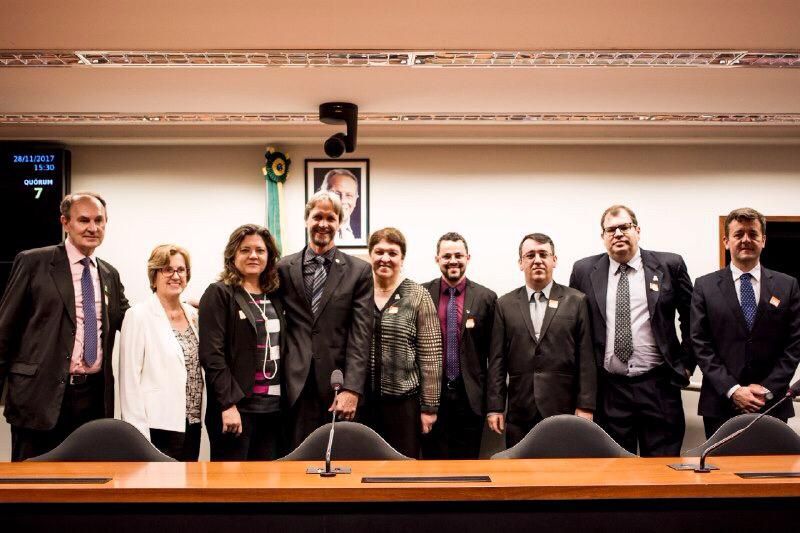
[(435, 290), (728, 290), (599, 279), (525, 309), (556, 294), (104, 275), (764, 296), (296, 275), (652, 274), (337, 272), (243, 301), (469, 299), (62, 278)]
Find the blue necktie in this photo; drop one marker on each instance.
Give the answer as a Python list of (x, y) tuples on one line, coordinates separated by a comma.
[(452, 363), (748, 297), (89, 315)]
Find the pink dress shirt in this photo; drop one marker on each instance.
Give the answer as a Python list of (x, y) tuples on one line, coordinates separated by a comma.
[(77, 365)]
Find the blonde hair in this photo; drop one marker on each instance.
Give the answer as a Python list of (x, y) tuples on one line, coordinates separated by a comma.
[(160, 258)]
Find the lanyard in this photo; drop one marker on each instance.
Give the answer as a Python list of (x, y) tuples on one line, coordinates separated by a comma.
[(268, 347)]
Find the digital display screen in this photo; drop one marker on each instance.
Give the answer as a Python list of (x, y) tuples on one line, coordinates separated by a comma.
[(33, 181)]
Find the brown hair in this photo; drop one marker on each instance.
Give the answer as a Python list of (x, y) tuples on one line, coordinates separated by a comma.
[(230, 275), (745, 214), (614, 210), (160, 258), (451, 236), (391, 235), (66, 203), (541, 238)]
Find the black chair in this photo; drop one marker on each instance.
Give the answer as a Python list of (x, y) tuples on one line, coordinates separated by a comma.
[(107, 439), (768, 436), (564, 436), (351, 442)]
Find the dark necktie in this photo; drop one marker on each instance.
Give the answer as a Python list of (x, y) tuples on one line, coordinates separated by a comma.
[(452, 363), (318, 283), (89, 315), (748, 297), (623, 335)]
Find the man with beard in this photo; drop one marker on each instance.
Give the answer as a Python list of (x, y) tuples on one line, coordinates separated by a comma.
[(344, 184), (327, 298), (745, 328), (634, 295), (466, 312), (541, 340)]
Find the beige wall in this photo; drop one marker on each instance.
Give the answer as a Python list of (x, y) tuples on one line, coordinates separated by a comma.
[(195, 195)]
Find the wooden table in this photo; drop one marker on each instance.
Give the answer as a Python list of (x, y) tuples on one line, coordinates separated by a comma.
[(586, 494)]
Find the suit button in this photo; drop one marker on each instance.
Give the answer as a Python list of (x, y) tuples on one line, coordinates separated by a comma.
[(73, 332), (62, 381)]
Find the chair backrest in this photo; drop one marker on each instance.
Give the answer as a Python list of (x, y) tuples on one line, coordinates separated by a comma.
[(107, 439), (564, 436), (351, 442), (768, 436)]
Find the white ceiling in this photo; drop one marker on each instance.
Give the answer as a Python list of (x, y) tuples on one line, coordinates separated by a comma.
[(185, 25)]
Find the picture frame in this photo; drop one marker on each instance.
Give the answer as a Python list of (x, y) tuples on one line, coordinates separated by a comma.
[(354, 228)]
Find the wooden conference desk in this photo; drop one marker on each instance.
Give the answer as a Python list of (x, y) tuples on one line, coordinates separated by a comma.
[(563, 494)]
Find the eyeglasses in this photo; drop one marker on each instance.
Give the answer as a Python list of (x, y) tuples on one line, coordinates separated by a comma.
[(169, 271), (530, 256), (624, 228)]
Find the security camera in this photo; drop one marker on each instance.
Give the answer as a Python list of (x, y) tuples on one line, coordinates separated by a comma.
[(340, 113)]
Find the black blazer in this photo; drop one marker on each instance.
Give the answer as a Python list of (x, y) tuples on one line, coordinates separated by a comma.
[(339, 337), (479, 305), (729, 354), (674, 294), (228, 344), (552, 376), (37, 334)]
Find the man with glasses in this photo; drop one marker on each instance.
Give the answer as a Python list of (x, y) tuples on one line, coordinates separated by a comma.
[(745, 328), (634, 295), (541, 341), (58, 319)]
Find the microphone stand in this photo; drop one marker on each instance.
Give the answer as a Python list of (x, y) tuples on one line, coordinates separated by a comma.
[(702, 468), (328, 471)]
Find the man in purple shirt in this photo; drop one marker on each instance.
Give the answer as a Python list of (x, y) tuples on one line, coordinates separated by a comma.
[(466, 311), (58, 319)]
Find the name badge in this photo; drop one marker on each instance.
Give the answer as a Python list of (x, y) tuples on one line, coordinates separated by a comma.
[(393, 310), (242, 316), (654, 287), (774, 301), (552, 304), (470, 323)]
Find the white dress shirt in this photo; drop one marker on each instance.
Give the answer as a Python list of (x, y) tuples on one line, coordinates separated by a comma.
[(646, 355)]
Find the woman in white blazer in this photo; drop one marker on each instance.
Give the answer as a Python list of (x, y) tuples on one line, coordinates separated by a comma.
[(161, 384)]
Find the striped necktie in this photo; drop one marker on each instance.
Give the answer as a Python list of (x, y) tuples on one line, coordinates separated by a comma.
[(318, 283)]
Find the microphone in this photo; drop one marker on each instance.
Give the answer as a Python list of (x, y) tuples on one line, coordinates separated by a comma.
[(793, 392), (337, 380)]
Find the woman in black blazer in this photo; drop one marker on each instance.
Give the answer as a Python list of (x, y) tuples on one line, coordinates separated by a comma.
[(241, 327)]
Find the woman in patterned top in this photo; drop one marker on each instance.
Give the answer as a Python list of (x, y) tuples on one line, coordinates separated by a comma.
[(161, 386), (405, 365), (241, 322)]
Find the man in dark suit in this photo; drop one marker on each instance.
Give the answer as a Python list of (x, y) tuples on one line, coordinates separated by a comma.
[(745, 328), (541, 339), (634, 295), (58, 319), (328, 300), (466, 312)]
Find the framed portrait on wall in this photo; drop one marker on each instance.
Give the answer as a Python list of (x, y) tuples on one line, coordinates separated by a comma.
[(349, 179)]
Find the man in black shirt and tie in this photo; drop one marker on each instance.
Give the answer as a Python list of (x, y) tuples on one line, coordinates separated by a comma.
[(634, 295), (466, 313), (745, 328)]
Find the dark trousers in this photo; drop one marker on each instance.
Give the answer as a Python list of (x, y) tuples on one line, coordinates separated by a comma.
[(183, 446), (307, 414), (516, 430), (458, 430), (82, 403), (397, 420), (713, 423), (260, 439), (644, 414)]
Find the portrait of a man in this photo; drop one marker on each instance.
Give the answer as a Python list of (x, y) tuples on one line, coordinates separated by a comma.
[(349, 180)]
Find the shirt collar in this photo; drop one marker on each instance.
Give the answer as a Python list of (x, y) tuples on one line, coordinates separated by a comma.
[(309, 254), (74, 255), (755, 272), (635, 263), (459, 288), (545, 291)]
